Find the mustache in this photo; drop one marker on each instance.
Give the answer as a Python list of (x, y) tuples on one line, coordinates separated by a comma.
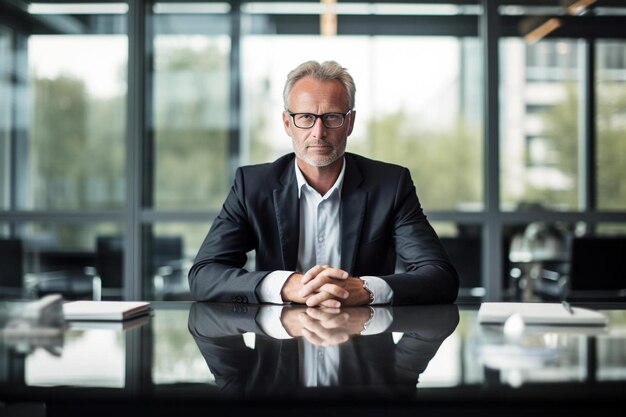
[(317, 143)]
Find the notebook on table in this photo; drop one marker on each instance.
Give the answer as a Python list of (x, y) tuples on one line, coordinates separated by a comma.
[(104, 310), (540, 313)]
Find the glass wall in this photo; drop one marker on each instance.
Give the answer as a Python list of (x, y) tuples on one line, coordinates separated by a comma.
[(77, 119), (539, 124), (611, 124), (63, 95), (190, 107), (560, 120), (122, 123)]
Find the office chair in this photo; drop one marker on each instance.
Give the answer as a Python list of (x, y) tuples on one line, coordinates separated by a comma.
[(466, 256), (597, 268), (12, 270), (48, 272)]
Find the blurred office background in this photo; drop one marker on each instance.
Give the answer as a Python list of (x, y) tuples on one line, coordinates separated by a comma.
[(122, 123)]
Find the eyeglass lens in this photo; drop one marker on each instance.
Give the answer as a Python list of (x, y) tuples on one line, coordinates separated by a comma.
[(330, 120)]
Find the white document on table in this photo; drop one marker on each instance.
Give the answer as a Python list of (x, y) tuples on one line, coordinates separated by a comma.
[(540, 313)]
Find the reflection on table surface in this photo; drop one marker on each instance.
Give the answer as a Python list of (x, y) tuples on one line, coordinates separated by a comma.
[(298, 348), (212, 352)]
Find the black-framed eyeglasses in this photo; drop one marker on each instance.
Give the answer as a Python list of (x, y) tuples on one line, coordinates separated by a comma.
[(330, 120)]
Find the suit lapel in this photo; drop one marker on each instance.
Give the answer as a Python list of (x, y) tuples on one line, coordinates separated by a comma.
[(286, 206), (353, 206)]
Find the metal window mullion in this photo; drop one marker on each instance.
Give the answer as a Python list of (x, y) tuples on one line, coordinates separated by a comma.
[(20, 113), (492, 228), (13, 165), (135, 133), (587, 132), (234, 125)]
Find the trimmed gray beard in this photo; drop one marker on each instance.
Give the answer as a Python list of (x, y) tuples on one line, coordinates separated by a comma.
[(335, 155)]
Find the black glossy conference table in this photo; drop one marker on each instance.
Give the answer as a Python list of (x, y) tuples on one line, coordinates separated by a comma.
[(202, 358)]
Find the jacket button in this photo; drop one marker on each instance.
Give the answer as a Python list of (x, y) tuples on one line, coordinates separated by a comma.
[(245, 299)]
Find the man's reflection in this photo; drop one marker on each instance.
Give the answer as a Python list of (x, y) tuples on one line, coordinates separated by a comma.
[(299, 348)]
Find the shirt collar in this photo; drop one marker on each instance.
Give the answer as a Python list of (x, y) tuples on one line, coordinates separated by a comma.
[(303, 183)]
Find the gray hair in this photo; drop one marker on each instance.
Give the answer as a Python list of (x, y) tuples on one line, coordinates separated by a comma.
[(326, 71)]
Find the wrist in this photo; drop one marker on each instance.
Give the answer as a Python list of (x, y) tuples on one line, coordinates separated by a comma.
[(369, 319), (291, 288), (370, 294)]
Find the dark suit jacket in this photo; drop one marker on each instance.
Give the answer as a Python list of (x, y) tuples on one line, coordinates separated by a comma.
[(381, 222), (374, 364)]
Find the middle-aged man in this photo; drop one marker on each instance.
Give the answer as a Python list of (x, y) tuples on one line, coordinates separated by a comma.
[(327, 226)]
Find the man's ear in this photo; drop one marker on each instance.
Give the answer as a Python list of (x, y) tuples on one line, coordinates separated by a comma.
[(352, 116), (287, 123)]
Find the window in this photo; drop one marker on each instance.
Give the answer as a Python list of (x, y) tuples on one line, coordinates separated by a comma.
[(203, 83), (77, 122), (190, 111), (611, 125), (539, 125)]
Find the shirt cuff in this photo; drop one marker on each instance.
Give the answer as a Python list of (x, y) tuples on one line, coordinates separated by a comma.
[(380, 321), (269, 289), (383, 293), (269, 321)]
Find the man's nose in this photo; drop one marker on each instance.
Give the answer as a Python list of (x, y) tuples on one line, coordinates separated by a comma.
[(319, 130)]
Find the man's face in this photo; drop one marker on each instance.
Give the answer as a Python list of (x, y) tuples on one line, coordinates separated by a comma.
[(318, 146)]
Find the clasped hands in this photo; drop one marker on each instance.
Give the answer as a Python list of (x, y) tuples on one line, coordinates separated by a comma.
[(325, 286), (325, 326)]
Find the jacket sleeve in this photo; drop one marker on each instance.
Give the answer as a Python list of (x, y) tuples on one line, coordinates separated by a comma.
[(218, 272), (430, 277)]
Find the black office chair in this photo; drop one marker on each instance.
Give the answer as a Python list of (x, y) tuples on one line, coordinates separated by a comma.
[(12, 268), (466, 255), (597, 268), (57, 270)]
